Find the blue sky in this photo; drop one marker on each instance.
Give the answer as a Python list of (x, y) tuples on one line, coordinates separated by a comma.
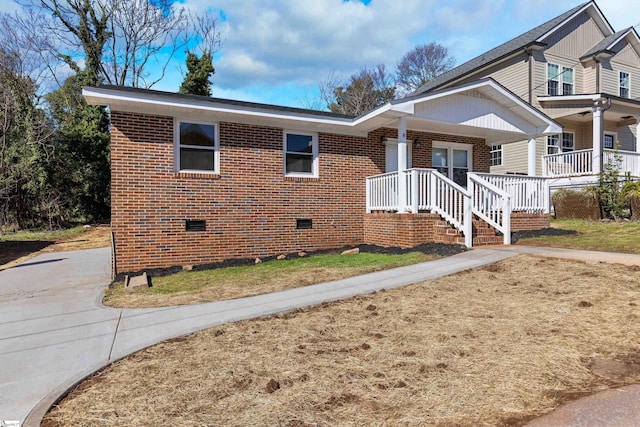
[(277, 51)]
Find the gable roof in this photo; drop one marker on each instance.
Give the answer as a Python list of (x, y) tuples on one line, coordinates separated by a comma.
[(531, 37), (607, 43)]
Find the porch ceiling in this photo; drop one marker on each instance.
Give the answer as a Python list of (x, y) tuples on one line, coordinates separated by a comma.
[(578, 108)]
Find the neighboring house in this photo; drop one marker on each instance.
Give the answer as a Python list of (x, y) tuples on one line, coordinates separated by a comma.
[(577, 70), (198, 180)]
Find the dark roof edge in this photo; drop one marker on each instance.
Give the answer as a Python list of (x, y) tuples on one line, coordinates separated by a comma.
[(224, 101)]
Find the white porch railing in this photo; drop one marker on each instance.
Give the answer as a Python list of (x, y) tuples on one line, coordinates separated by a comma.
[(579, 163), (572, 163), (426, 189), (629, 161), (528, 194), (491, 204)]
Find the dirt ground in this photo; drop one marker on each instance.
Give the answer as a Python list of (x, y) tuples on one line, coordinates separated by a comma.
[(494, 346), (14, 253)]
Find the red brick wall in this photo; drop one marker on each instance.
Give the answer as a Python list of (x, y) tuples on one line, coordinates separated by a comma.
[(399, 230), (250, 207), (529, 221)]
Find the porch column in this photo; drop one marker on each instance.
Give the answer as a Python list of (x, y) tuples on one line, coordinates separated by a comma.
[(402, 164), (637, 135), (531, 157), (598, 133)]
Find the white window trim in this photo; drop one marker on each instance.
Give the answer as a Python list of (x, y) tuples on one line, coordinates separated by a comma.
[(314, 150), (177, 145), (559, 78), (615, 139), (500, 150), (455, 146), (560, 146), (572, 133), (620, 86)]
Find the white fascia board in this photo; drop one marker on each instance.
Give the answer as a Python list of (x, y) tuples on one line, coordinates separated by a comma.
[(371, 115), (107, 97), (590, 97), (602, 22), (550, 130)]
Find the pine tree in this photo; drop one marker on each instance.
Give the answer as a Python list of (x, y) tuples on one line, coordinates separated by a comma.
[(199, 71)]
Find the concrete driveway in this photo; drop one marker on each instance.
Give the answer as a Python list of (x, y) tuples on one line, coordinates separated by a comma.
[(51, 325)]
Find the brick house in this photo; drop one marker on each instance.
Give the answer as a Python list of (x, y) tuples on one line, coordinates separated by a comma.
[(198, 180)]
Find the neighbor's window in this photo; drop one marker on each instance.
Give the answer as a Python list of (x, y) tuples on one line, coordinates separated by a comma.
[(300, 154), (197, 147), (609, 140), (495, 156), (624, 85), (560, 80), (562, 143)]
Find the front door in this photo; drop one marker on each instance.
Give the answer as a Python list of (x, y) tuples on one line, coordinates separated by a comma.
[(391, 155), (452, 160)]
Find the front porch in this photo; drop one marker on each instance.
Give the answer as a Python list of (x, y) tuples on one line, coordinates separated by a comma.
[(437, 209)]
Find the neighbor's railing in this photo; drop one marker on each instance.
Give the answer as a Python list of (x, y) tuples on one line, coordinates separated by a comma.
[(492, 204), (528, 193), (572, 163), (629, 161)]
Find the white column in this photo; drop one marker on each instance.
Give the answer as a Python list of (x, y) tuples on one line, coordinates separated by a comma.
[(637, 135), (598, 133), (531, 156), (402, 164)]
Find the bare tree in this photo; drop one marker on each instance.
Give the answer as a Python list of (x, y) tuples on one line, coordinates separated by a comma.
[(365, 90), (422, 64)]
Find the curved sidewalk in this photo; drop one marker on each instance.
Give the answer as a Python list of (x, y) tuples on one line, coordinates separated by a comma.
[(54, 331)]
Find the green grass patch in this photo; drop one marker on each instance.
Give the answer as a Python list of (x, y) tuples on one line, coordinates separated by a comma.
[(41, 235), (623, 236), (188, 287)]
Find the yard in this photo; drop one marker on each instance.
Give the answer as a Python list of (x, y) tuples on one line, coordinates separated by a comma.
[(607, 236), (494, 346)]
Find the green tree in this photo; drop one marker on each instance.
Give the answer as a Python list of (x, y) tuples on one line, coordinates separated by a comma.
[(82, 140), (197, 81)]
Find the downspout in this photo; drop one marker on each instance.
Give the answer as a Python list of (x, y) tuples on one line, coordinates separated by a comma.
[(598, 65)]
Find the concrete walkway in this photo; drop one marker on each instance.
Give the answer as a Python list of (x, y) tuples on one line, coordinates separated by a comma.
[(54, 331)]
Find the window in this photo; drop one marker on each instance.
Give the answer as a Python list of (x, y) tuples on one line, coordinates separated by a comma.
[(300, 154), (609, 140), (562, 143), (495, 156), (557, 75), (452, 160), (197, 147), (624, 85)]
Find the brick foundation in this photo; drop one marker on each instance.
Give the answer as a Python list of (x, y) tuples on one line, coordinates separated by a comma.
[(390, 229), (529, 221)]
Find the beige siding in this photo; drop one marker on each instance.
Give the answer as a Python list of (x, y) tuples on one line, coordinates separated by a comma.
[(626, 136), (512, 74), (627, 60), (575, 38), (514, 158), (589, 84)]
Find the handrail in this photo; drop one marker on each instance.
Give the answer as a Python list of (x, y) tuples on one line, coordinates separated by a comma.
[(491, 204)]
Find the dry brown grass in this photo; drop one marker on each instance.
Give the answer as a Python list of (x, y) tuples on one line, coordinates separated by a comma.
[(492, 346)]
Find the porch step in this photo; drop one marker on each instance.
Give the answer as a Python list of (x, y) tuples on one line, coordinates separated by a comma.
[(483, 234)]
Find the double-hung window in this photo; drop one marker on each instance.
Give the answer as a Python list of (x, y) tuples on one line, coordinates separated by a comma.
[(300, 154), (495, 155), (197, 147), (624, 85), (560, 80), (562, 143)]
